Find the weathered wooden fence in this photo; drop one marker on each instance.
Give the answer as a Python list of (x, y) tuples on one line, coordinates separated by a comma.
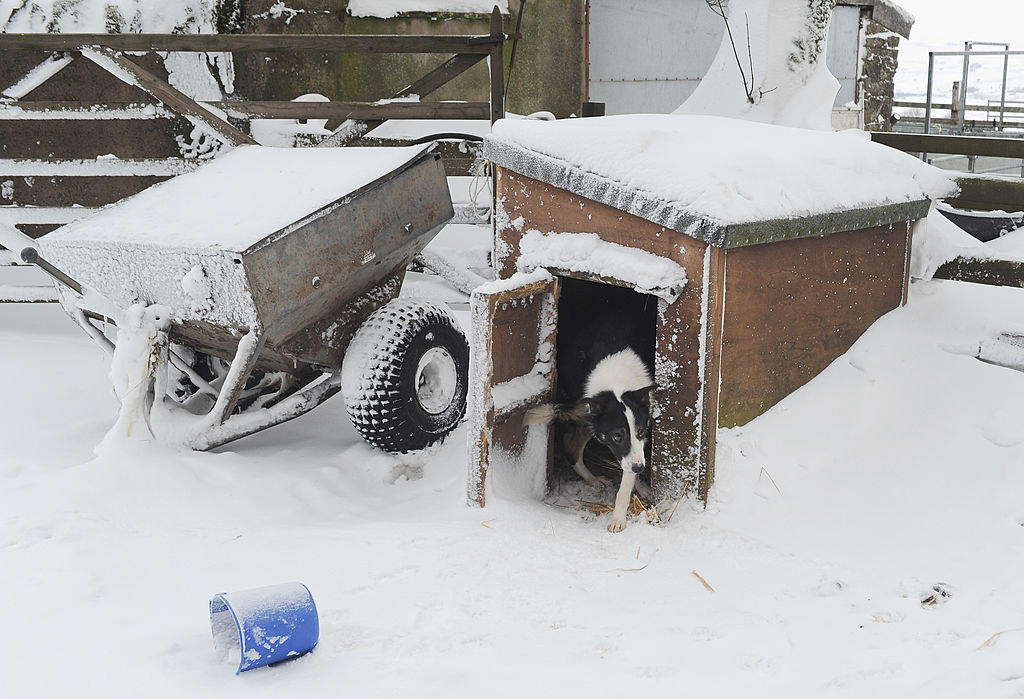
[(57, 177), (977, 191)]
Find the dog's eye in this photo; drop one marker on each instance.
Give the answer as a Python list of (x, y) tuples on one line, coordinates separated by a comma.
[(617, 437)]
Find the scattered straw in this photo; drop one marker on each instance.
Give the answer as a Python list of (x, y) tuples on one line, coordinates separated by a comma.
[(637, 509), (703, 581), (994, 638), (765, 472), (485, 522)]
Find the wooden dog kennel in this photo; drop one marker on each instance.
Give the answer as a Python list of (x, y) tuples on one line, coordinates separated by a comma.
[(755, 308)]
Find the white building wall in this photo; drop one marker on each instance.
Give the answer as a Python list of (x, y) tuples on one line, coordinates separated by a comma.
[(649, 55)]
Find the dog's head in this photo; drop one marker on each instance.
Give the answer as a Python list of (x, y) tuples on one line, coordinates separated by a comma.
[(621, 425)]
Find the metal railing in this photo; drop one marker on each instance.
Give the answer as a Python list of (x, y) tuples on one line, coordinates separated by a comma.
[(967, 54)]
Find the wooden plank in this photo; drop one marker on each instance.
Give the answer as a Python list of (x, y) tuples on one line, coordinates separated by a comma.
[(994, 109), (990, 272), (479, 406), (777, 230), (73, 111), (346, 43), (88, 139), (47, 191), (131, 73), (496, 61), (355, 110), (906, 262), (794, 306), (710, 366), (442, 75), (989, 193), (953, 145)]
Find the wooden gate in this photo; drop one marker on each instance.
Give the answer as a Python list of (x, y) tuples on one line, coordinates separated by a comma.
[(43, 189)]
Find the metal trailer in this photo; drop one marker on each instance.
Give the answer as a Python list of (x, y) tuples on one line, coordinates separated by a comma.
[(299, 301)]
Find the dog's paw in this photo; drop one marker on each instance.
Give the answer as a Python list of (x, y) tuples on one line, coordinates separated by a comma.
[(617, 525)]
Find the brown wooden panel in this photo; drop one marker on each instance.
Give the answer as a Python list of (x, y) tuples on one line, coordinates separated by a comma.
[(356, 43), (714, 291), (954, 145), (69, 191), (794, 306), (992, 272), (496, 63), (551, 209), (989, 194), (83, 80), (355, 110), (684, 430), (515, 337), (35, 230), (37, 139)]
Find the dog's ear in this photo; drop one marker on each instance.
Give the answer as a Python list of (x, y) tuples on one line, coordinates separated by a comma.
[(641, 397)]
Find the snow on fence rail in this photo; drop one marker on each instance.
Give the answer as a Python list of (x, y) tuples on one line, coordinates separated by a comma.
[(109, 52)]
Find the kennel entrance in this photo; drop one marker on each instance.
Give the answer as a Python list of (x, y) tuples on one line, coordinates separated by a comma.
[(520, 327)]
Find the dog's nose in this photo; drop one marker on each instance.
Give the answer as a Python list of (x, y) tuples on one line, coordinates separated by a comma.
[(638, 468)]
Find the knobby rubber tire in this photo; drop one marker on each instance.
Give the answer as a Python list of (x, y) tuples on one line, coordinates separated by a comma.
[(379, 375)]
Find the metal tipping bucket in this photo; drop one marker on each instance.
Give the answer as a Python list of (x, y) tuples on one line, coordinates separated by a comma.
[(265, 624)]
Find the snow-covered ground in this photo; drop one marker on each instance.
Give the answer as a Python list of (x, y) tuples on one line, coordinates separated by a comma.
[(833, 516)]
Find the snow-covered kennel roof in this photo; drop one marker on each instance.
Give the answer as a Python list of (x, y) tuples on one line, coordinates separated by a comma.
[(240, 198), (725, 181)]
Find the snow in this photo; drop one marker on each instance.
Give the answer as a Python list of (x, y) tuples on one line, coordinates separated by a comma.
[(1009, 245), (832, 517), (587, 253), (944, 25), (280, 185), (390, 8), (127, 274), (937, 240), (767, 68), (131, 368), (683, 171), (282, 133), (102, 166), (148, 16)]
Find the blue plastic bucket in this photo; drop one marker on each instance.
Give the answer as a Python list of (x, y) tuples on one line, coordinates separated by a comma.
[(265, 624)]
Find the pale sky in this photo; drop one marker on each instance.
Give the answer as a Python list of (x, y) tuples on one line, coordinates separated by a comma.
[(944, 25)]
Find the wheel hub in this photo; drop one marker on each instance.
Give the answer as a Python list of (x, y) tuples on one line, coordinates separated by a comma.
[(437, 380)]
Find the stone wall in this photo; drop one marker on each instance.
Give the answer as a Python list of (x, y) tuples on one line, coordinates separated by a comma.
[(879, 72)]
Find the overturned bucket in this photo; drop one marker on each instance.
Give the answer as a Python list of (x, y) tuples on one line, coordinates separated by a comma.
[(265, 624)]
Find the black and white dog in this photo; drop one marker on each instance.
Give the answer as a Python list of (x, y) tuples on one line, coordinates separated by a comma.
[(601, 366)]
